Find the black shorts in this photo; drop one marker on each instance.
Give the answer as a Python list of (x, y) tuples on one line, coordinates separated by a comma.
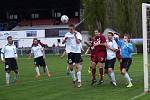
[(74, 58), (110, 63), (39, 62), (11, 64), (126, 62)]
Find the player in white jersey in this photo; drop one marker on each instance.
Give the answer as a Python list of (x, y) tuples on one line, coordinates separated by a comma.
[(73, 49), (39, 56), (9, 56), (112, 48)]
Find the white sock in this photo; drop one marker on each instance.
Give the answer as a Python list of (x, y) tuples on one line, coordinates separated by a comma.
[(112, 75), (79, 76), (127, 77), (37, 70), (7, 77), (46, 68), (80, 66), (73, 75), (15, 76)]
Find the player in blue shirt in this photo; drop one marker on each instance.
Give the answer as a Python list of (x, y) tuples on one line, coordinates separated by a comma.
[(126, 53)]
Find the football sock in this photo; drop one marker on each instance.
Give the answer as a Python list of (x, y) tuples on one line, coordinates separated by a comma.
[(15, 76), (93, 73), (7, 77), (101, 73), (80, 66), (73, 75), (37, 70), (46, 68), (79, 76), (127, 77), (112, 75)]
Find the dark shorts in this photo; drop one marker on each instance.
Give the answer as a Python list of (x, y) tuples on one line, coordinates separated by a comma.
[(74, 58), (40, 62), (11, 64), (110, 63), (126, 62), (99, 57)]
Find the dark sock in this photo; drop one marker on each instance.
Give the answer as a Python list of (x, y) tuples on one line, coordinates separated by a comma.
[(101, 73), (93, 74)]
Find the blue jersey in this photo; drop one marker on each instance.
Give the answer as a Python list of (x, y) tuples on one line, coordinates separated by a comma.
[(126, 49)]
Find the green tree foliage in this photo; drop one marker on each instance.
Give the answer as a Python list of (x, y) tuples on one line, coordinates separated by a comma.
[(122, 15)]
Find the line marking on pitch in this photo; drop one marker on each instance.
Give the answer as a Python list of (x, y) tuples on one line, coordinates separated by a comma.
[(137, 96)]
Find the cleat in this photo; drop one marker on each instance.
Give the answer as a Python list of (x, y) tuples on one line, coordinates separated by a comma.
[(114, 83), (100, 82), (93, 82), (79, 84), (7, 84), (89, 70), (67, 73), (74, 82), (129, 85), (37, 76)]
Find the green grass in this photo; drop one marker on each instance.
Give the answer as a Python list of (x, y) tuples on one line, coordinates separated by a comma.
[(59, 86)]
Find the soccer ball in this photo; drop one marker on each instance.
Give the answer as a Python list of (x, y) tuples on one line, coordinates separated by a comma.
[(64, 19)]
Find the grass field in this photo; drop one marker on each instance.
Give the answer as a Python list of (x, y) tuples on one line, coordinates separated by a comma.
[(59, 86)]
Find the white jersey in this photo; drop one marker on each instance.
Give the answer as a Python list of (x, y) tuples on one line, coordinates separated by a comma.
[(111, 54), (9, 51), (71, 44), (37, 51)]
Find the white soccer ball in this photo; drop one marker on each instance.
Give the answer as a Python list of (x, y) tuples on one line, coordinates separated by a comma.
[(64, 19)]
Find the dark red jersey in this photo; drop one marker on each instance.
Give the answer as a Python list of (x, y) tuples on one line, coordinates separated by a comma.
[(96, 41)]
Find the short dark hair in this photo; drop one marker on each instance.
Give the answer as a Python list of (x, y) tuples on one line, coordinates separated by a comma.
[(35, 39), (111, 33), (72, 25), (127, 35), (9, 37)]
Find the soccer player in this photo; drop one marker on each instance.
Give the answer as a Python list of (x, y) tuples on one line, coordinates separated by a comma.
[(73, 49), (9, 56), (98, 56), (112, 48), (39, 56), (126, 53)]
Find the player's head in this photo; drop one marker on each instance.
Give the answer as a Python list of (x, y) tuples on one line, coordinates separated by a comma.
[(96, 32), (126, 38), (10, 40), (110, 35), (72, 28), (35, 41)]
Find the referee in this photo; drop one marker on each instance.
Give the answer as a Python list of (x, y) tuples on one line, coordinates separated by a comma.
[(9, 56)]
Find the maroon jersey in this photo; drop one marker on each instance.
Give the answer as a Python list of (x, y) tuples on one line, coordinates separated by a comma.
[(118, 55), (96, 41)]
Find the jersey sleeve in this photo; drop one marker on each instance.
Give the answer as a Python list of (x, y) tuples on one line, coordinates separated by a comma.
[(130, 47), (115, 45), (3, 50), (119, 42), (15, 51), (32, 50), (103, 39), (79, 36)]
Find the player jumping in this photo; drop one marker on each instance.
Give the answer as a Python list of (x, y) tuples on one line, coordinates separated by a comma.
[(73, 49)]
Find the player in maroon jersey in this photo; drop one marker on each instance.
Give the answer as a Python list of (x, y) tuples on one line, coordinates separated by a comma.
[(98, 55)]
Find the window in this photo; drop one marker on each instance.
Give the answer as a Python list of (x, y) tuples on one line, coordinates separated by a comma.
[(13, 16), (34, 16)]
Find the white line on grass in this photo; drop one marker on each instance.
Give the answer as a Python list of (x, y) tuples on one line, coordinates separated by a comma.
[(137, 96)]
